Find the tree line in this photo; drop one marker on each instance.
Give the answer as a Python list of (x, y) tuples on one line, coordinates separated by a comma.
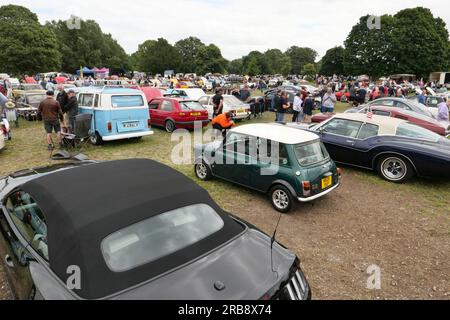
[(411, 41)]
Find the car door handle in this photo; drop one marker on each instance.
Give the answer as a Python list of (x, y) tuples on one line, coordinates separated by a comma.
[(9, 261), (350, 141)]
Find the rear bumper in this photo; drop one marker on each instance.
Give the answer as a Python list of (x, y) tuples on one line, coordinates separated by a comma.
[(191, 123), (127, 136), (317, 196)]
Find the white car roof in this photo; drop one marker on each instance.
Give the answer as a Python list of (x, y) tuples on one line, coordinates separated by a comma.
[(276, 132), (388, 125)]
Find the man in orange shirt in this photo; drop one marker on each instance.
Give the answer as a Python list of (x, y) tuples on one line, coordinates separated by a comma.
[(223, 122)]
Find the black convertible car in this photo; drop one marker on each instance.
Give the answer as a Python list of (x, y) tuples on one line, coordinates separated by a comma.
[(133, 229)]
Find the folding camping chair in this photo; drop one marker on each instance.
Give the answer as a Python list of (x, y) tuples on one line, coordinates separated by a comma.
[(80, 137)]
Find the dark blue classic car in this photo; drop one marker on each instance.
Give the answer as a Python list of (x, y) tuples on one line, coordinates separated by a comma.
[(395, 148)]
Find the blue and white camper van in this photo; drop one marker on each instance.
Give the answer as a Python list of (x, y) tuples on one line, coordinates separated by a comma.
[(117, 113)]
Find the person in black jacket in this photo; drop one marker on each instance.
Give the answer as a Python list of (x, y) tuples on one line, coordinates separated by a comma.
[(71, 110), (62, 98)]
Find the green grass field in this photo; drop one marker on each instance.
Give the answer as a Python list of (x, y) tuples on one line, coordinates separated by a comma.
[(28, 149)]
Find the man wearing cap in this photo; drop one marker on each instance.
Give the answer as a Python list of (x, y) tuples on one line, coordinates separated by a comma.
[(62, 98), (50, 112), (71, 110)]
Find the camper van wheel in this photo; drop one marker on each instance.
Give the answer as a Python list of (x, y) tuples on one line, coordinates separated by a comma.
[(96, 139)]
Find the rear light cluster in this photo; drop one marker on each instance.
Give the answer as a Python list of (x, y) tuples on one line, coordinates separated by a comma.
[(109, 126), (306, 188), (339, 171)]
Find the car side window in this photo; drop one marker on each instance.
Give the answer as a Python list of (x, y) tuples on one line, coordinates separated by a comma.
[(381, 113), (343, 127), (29, 220), (154, 105), (368, 130), (242, 144), (387, 103), (166, 106)]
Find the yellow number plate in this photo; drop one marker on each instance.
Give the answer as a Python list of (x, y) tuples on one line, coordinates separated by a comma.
[(241, 110), (326, 182), (196, 114)]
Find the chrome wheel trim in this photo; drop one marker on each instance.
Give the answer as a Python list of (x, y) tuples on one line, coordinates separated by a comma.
[(394, 169), (170, 126), (280, 199), (201, 170)]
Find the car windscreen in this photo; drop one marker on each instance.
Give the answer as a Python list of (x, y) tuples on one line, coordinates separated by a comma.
[(159, 236), (121, 101), (191, 105), (410, 130), (310, 153), (36, 98)]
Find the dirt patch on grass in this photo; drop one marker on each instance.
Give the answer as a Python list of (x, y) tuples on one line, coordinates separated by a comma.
[(359, 225)]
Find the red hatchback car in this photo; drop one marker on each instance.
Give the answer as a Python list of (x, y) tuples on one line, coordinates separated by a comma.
[(413, 117), (173, 113)]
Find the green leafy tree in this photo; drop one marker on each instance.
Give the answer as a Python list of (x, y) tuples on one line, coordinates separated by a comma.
[(300, 57), (26, 45), (189, 50), (420, 45), (210, 60), (236, 67), (253, 66), (333, 62), (278, 62), (156, 56), (255, 61), (89, 46), (309, 70), (370, 50)]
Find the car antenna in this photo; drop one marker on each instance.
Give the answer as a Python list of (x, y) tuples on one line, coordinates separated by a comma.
[(272, 241)]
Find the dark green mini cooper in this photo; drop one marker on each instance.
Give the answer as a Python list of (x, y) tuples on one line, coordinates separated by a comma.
[(287, 164)]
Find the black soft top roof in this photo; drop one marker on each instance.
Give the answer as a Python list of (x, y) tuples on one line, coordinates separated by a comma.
[(84, 205)]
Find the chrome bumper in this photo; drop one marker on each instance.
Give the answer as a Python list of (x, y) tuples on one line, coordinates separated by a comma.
[(317, 196), (127, 136)]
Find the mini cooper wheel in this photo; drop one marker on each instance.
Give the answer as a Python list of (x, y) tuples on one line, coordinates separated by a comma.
[(395, 169), (95, 139), (281, 199), (202, 171), (170, 126)]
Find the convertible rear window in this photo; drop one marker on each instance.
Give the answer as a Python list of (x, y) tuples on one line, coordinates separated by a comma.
[(312, 153), (127, 101), (159, 236)]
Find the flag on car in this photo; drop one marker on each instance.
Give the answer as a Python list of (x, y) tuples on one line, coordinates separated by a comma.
[(370, 114)]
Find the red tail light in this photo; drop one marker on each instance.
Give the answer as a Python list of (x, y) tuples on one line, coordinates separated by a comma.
[(339, 171), (306, 188), (182, 114), (109, 126)]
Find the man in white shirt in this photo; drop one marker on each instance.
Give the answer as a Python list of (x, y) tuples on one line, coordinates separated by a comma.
[(298, 110)]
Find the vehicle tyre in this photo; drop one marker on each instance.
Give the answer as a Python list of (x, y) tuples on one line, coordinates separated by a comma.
[(95, 139), (394, 168), (202, 171), (281, 198), (170, 126)]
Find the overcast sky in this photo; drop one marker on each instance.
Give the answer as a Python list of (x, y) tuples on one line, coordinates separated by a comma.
[(237, 27)]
